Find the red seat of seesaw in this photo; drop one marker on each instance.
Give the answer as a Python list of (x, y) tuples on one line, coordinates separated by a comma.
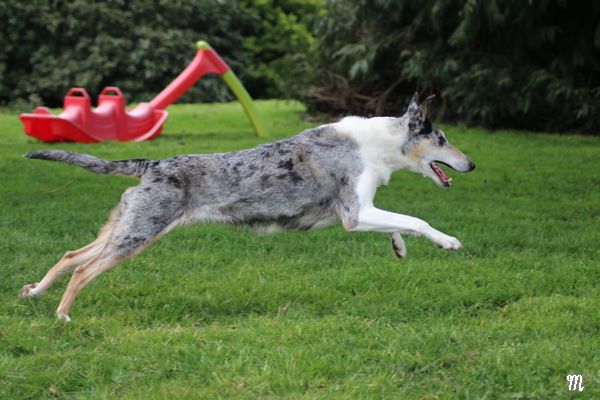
[(109, 121)]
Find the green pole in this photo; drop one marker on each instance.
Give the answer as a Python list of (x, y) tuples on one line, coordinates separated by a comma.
[(241, 94), (244, 98)]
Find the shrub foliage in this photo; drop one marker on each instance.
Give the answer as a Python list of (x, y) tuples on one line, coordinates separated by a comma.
[(523, 64), (141, 46)]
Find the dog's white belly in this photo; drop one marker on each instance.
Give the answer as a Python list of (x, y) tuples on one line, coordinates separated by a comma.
[(269, 229), (307, 224), (327, 221)]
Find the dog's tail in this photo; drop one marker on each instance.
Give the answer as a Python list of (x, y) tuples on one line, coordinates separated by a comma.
[(92, 163)]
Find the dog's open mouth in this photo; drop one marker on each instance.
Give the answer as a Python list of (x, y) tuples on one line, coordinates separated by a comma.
[(444, 179)]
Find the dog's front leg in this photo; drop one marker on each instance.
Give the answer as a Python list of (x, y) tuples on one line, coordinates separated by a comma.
[(398, 245), (373, 219)]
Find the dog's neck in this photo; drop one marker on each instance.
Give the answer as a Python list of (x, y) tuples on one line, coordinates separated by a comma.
[(380, 140)]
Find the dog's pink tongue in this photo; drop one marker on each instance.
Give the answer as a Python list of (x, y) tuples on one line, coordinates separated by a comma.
[(440, 172)]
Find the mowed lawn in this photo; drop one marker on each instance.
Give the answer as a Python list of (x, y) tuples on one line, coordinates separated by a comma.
[(214, 311)]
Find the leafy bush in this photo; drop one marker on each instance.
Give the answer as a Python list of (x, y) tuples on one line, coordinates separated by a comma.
[(141, 46), (279, 44), (531, 65)]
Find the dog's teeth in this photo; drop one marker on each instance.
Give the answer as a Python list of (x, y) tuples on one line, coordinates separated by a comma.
[(449, 179)]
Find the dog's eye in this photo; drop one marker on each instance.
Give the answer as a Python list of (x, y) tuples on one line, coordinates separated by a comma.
[(441, 140)]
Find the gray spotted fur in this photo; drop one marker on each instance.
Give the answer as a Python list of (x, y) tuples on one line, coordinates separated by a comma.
[(92, 163), (291, 184)]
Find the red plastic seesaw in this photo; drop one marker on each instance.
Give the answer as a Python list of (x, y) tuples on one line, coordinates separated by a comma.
[(111, 121)]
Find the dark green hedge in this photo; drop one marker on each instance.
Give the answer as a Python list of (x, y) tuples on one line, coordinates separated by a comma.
[(513, 63), (140, 46)]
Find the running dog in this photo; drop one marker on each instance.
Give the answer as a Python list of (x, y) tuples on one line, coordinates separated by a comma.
[(308, 181)]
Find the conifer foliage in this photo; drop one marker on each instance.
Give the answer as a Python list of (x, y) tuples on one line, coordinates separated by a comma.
[(523, 64)]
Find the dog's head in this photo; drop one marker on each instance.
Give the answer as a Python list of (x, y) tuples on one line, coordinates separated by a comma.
[(426, 146)]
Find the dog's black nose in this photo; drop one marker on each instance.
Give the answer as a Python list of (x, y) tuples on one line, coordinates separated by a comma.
[(471, 166)]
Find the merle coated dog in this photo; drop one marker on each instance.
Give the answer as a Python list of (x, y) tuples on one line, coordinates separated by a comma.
[(308, 181)]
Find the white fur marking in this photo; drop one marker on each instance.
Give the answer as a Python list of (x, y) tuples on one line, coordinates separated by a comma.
[(373, 219)]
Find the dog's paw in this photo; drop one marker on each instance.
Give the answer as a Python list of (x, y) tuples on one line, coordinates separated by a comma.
[(398, 245), (449, 243), (28, 291), (63, 316)]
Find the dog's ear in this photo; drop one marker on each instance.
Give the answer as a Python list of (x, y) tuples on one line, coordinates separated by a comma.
[(413, 106), (418, 112), (424, 106)]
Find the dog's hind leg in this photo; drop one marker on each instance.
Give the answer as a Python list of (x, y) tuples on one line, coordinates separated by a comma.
[(81, 277), (70, 260), (143, 219)]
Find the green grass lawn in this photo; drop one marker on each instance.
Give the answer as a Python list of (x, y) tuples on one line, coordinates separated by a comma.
[(213, 311)]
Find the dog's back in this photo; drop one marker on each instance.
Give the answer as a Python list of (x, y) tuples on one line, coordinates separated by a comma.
[(294, 183)]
